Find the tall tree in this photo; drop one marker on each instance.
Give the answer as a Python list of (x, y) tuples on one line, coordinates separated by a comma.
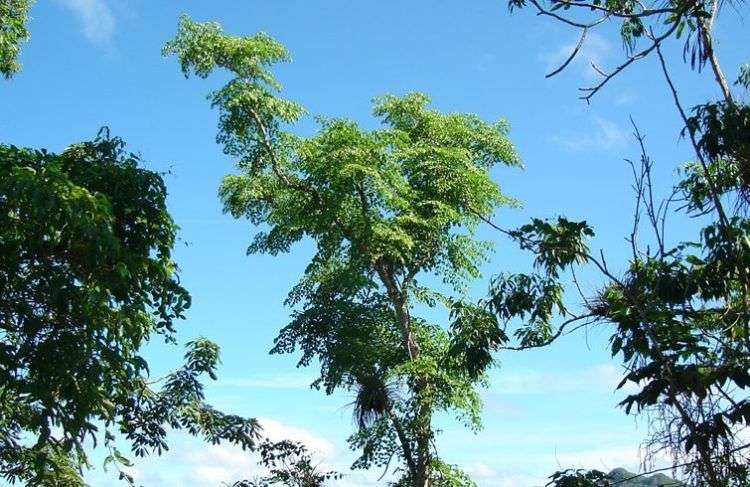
[(13, 17), (386, 208), (86, 279)]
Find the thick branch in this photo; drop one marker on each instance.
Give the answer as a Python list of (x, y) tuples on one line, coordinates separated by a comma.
[(706, 33), (400, 307)]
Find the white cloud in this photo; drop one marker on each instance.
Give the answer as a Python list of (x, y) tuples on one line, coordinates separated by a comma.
[(480, 470), (219, 463), (319, 446), (534, 470), (595, 50), (605, 458), (96, 19), (602, 136), (191, 462), (486, 476)]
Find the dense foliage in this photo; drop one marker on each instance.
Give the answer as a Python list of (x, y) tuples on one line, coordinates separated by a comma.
[(384, 207), (87, 276), (13, 18), (86, 279)]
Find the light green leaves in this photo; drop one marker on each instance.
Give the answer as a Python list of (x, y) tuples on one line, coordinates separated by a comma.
[(383, 207), (202, 47), (13, 18)]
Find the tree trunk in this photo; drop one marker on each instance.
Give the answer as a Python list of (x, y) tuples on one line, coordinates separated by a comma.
[(419, 466)]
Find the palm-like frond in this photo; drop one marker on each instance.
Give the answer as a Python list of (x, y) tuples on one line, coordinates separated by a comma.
[(374, 398)]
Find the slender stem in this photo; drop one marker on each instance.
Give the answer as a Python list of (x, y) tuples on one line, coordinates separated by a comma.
[(711, 184), (656, 41), (573, 54), (405, 444), (560, 332)]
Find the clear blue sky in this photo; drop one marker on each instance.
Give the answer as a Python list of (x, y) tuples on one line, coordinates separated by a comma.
[(97, 62)]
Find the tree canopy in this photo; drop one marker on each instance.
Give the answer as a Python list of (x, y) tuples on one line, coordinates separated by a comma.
[(86, 279), (87, 276), (385, 207)]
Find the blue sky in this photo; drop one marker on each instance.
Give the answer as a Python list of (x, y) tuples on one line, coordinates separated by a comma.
[(97, 62)]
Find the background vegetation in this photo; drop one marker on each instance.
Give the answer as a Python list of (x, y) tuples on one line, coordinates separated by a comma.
[(87, 276)]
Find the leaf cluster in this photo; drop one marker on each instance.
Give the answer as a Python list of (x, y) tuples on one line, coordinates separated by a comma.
[(13, 18), (86, 279)]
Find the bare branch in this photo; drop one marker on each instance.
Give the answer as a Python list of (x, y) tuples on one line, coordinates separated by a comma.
[(590, 92), (712, 186), (573, 54), (620, 14), (542, 11), (589, 317)]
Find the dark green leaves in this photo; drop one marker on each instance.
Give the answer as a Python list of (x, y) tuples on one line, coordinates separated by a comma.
[(86, 279), (536, 299), (476, 334), (579, 478), (532, 298), (556, 245), (722, 131)]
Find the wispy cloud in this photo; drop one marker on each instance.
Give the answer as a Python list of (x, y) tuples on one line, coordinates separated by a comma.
[(275, 381), (96, 18), (601, 135), (533, 470), (626, 96), (602, 378), (594, 51), (606, 458), (602, 458), (486, 475)]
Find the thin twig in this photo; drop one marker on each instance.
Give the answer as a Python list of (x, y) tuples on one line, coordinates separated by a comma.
[(591, 317), (712, 186), (573, 54), (631, 59)]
